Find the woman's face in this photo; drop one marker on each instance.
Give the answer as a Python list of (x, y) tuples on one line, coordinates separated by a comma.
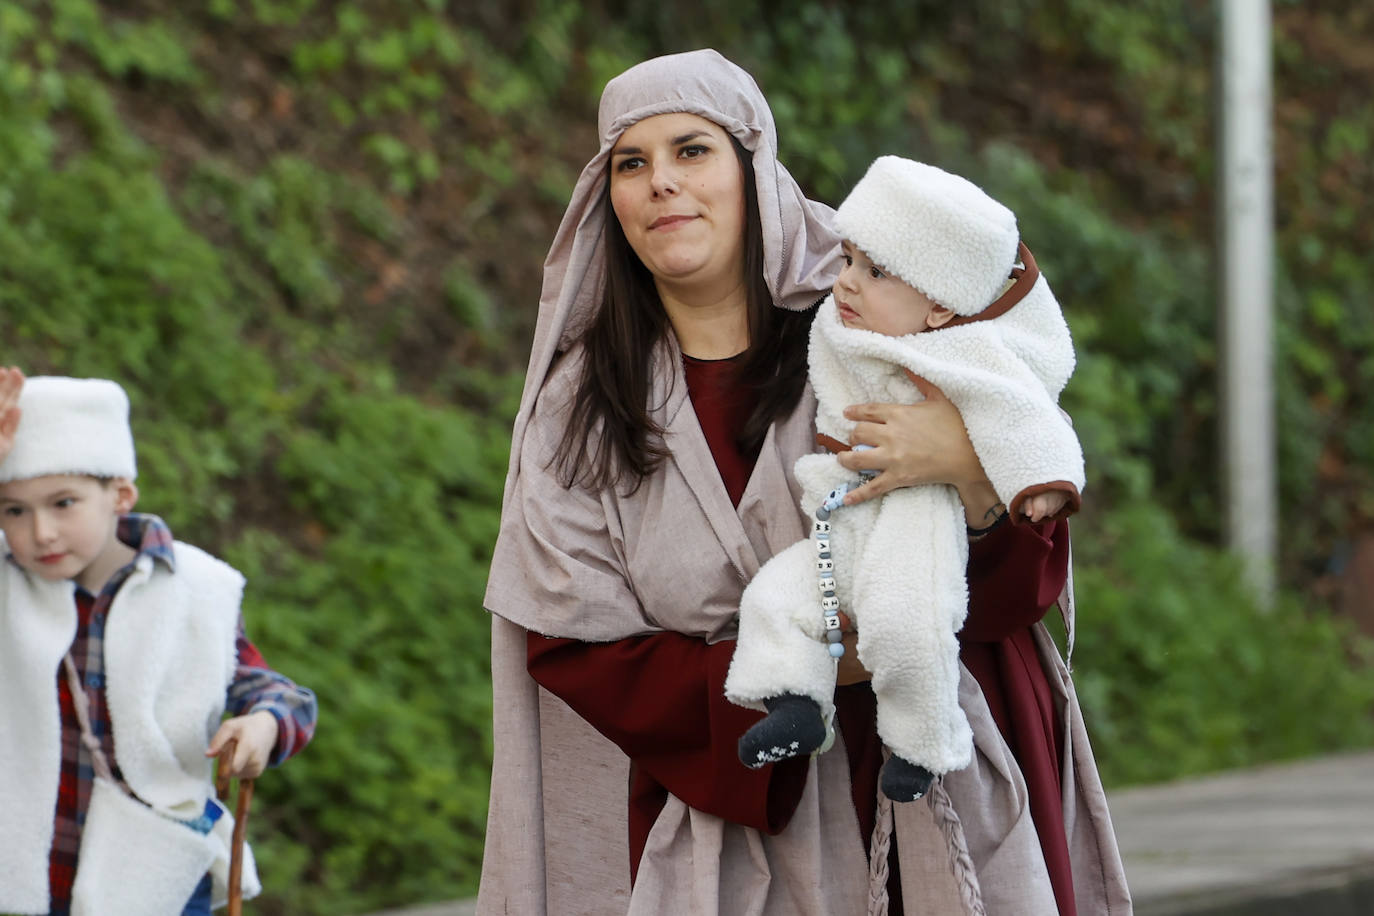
[(678, 191)]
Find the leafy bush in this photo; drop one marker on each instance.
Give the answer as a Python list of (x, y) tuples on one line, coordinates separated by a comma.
[(398, 506), (362, 516), (1180, 672)]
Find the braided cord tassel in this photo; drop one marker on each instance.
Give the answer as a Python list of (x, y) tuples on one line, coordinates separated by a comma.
[(878, 850), (960, 862)]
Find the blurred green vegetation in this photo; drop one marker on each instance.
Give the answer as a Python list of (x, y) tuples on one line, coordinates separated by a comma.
[(307, 237)]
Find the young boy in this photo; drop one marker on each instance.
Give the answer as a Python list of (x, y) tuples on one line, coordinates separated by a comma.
[(120, 652), (927, 294)]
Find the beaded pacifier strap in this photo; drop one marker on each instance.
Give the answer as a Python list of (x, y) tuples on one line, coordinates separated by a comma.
[(825, 572)]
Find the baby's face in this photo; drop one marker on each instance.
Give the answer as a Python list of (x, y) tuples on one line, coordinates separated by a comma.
[(868, 297)]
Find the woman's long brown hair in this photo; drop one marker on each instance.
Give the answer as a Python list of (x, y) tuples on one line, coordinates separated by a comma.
[(611, 439)]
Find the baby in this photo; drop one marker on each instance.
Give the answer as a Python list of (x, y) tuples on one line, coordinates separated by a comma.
[(930, 290)]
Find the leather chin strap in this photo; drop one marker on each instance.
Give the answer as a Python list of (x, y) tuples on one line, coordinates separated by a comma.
[(1025, 278)]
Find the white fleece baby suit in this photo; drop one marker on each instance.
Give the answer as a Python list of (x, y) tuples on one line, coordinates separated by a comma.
[(900, 560)]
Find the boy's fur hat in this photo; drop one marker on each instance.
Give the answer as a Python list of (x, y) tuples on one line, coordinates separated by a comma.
[(938, 232), (71, 426)]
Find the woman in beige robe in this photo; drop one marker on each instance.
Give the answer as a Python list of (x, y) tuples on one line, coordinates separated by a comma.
[(672, 555)]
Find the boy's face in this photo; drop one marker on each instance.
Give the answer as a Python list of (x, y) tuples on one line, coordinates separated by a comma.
[(63, 526), (869, 297)]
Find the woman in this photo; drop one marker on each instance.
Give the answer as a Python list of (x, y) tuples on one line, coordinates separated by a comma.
[(650, 477)]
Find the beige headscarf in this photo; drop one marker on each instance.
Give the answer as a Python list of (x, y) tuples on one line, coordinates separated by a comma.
[(799, 244)]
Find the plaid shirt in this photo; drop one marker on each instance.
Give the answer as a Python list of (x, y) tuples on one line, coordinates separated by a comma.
[(255, 687)]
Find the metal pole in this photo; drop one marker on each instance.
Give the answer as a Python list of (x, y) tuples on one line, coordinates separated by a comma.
[(1246, 247)]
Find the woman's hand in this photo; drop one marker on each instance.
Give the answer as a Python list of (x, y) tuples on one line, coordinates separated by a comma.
[(917, 444)]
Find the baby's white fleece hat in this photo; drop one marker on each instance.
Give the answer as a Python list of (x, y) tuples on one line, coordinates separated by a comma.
[(938, 232), (71, 426)]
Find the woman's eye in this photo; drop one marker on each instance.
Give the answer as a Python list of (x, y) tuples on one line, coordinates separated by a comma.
[(875, 273), (848, 260), (629, 164), (13, 511), (65, 502), (693, 151)]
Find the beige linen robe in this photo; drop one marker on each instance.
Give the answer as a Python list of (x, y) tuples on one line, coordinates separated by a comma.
[(678, 555)]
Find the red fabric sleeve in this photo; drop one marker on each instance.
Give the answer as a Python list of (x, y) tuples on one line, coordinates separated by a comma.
[(1014, 575), (661, 699), (248, 653), (1018, 576)]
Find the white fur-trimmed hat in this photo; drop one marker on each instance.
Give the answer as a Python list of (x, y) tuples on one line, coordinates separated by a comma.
[(940, 233), (71, 426)]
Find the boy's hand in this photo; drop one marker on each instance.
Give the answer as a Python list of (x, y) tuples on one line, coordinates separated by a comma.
[(11, 383), (255, 734)]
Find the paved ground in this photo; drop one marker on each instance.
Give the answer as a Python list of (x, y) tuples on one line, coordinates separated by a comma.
[(1283, 839), (1271, 841)]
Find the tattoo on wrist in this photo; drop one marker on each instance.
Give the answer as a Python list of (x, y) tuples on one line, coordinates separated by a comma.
[(998, 513)]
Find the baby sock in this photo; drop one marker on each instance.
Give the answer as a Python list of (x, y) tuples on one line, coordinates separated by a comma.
[(904, 781), (792, 727)]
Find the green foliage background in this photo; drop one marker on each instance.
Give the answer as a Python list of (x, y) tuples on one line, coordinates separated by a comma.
[(306, 236)]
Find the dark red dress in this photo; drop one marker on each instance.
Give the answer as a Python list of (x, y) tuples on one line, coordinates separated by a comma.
[(661, 698)]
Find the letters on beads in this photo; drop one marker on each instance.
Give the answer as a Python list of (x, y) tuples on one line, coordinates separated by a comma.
[(825, 567)]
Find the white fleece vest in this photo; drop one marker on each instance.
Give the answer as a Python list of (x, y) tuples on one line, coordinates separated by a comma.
[(170, 655)]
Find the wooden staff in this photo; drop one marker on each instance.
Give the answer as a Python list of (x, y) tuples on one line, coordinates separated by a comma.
[(245, 797)]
